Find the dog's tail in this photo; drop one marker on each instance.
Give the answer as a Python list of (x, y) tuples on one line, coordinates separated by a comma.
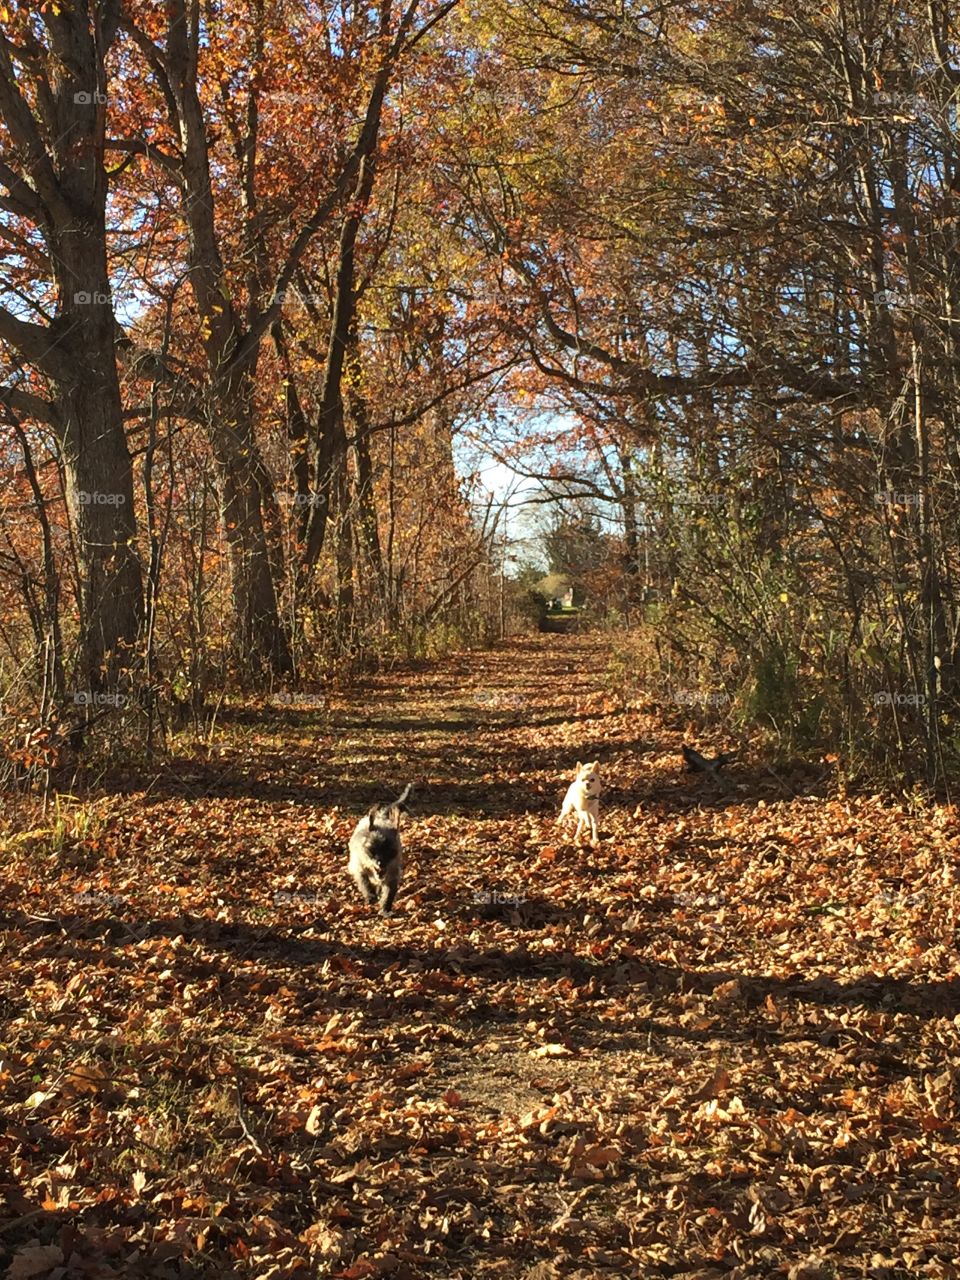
[(403, 797)]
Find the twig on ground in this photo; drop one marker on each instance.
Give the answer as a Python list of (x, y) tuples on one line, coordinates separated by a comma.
[(244, 1125)]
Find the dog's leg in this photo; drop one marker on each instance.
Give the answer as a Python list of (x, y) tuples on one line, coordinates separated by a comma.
[(593, 826), (388, 891), (364, 883), (376, 891)]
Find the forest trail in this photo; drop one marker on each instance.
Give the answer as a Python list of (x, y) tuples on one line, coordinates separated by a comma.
[(722, 1043)]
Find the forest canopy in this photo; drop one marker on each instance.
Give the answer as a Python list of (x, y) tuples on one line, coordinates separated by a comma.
[(271, 270)]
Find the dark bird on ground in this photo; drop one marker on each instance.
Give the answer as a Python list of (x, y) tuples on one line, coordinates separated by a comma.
[(697, 763)]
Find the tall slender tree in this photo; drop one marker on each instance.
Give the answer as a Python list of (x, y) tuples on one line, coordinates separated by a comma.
[(59, 327)]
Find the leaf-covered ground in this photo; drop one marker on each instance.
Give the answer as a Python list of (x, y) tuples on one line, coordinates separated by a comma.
[(723, 1043)]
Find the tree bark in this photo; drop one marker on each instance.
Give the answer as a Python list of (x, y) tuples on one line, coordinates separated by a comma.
[(331, 438), (60, 184), (366, 491)]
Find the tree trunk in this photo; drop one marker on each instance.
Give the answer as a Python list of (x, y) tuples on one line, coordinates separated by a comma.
[(245, 493), (345, 588), (331, 439), (366, 491), (60, 185), (100, 500), (628, 504)]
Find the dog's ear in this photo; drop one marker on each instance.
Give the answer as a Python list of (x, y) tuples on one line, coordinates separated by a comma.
[(579, 767)]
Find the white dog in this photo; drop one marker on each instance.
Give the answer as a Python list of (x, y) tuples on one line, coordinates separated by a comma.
[(583, 799)]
